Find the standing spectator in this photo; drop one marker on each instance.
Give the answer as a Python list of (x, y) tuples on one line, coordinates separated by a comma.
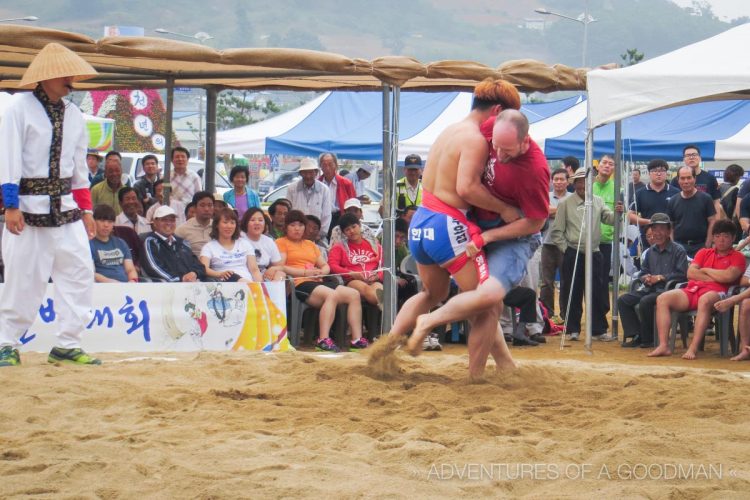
[(358, 178), (409, 187), (241, 197), (729, 189), (145, 186), (357, 260), (663, 262), (567, 235), (166, 256), (552, 257), (604, 188), (197, 230), (653, 198), (302, 261), (96, 172), (227, 257), (267, 254), (704, 182), (310, 196), (128, 199), (340, 187), (636, 184), (277, 211), (105, 193), (692, 213), (185, 183), (176, 205), (710, 274), (571, 164), (113, 262)]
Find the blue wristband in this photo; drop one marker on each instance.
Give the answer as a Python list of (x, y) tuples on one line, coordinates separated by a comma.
[(10, 195)]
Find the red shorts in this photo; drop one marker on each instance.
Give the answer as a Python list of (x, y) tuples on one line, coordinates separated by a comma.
[(695, 293)]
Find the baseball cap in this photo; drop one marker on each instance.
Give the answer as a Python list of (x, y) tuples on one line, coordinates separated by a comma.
[(308, 164), (659, 218), (164, 211), (367, 167), (352, 202), (413, 161), (93, 152)]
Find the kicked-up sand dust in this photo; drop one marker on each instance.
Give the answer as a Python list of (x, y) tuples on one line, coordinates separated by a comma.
[(248, 425)]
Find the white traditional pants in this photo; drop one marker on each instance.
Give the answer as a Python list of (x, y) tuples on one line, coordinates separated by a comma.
[(31, 258)]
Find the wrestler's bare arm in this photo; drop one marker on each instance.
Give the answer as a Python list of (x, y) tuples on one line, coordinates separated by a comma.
[(471, 162)]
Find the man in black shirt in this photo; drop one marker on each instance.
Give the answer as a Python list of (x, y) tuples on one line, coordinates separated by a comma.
[(693, 214), (704, 182), (653, 198)]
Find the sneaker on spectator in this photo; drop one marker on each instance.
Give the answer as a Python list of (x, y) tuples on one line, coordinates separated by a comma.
[(574, 336), (360, 343), (434, 342), (607, 337), (326, 345), (426, 344), (9, 356)]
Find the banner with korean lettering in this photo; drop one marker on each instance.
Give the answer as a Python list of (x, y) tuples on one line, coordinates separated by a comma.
[(142, 317)]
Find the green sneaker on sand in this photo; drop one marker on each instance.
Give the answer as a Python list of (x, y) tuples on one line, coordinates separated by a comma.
[(9, 356), (75, 356)]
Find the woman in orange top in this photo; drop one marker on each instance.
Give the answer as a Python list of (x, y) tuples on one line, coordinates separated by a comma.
[(301, 259)]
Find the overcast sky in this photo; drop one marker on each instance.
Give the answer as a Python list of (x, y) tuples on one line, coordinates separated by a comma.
[(724, 9)]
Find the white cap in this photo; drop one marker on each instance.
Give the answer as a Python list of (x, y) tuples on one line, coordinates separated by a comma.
[(164, 211), (367, 167), (308, 164), (352, 202)]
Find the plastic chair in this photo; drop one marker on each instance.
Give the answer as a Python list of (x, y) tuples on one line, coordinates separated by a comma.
[(296, 313)]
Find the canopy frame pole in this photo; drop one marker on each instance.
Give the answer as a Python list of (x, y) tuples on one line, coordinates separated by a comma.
[(390, 160), (587, 226), (210, 138), (168, 142), (615, 262)]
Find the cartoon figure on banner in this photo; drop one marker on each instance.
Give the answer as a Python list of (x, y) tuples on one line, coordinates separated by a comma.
[(182, 314), (229, 311)]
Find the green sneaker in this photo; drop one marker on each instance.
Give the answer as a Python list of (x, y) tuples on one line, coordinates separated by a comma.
[(74, 356), (9, 356)]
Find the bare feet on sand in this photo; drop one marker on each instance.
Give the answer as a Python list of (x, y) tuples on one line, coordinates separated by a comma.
[(743, 355), (662, 350), (505, 365), (414, 345), (689, 355)]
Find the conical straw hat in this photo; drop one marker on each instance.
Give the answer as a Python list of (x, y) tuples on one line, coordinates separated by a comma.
[(56, 61)]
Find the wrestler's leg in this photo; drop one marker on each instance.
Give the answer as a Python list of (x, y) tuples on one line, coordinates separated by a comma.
[(435, 289)]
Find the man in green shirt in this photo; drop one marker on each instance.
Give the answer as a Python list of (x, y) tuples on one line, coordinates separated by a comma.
[(604, 188)]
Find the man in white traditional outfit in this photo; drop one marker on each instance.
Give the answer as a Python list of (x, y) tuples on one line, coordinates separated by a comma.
[(48, 214)]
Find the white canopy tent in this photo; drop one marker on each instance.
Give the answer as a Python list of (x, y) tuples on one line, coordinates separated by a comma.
[(713, 69)]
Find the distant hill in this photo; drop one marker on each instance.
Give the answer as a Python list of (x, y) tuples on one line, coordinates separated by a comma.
[(488, 31)]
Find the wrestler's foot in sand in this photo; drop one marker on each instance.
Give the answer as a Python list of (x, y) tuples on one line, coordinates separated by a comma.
[(689, 355), (505, 365), (662, 350), (743, 355), (414, 345)]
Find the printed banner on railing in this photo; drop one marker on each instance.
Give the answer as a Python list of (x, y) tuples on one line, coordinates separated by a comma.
[(143, 317)]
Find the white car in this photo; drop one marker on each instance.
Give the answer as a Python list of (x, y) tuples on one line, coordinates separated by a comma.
[(132, 169)]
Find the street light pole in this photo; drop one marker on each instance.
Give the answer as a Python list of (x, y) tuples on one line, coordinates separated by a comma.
[(585, 19)]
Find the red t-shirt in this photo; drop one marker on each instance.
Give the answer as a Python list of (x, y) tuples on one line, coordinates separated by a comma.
[(707, 257), (523, 182), (361, 257)]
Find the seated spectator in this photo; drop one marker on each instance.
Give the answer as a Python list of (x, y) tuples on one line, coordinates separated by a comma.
[(112, 260), (176, 205), (105, 193), (525, 299), (227, 257), (185, 183), (128, 198), (744, 322), (710, 274), (240, 197), (166, 256), (408, 213), (219, 204), (664, 261), (357, 260), (189, 210), (267, 253), (351, 206), (278, 211), (302, 260), (197, 230), (407, 283), (146, 185), (131, 239), (312, 233)]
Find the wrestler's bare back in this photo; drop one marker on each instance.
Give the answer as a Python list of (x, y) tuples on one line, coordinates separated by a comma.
[(462, 139)]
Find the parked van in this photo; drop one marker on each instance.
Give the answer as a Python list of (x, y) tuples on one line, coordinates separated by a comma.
[(132, 167)]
